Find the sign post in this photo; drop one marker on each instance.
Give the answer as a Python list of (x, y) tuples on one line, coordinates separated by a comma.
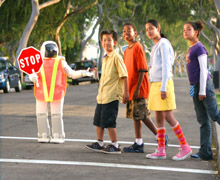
[(30, 61)]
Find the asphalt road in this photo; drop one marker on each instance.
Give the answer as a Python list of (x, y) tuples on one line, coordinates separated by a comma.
[(22, 158)]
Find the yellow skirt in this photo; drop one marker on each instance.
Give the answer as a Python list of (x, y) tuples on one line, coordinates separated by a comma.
[(155, 103)]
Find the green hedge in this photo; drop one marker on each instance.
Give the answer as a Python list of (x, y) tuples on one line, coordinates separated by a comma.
[(218, 99)]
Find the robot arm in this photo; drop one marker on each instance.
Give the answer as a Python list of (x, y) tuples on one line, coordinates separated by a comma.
[(75, 74), (50, 49)]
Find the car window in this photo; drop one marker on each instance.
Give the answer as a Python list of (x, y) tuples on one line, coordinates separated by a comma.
[(84, 65), (2, 66), (88, 64), (73, 66)]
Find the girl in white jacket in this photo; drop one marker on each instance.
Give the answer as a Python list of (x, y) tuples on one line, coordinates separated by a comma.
[(162, 97)]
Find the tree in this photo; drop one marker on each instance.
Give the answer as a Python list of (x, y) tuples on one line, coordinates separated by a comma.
[(85, 40), (1, 2), (13, 24), (36, 7), (213, 22), (115, 13), (70, 11), (14, 15)]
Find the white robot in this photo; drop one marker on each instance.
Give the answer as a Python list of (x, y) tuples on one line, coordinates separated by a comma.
[(50, 87)]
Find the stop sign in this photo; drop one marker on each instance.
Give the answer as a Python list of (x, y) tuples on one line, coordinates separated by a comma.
[(30, 60)]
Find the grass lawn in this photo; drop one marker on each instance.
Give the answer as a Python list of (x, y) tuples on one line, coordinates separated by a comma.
[(218, 99), (69, 81)]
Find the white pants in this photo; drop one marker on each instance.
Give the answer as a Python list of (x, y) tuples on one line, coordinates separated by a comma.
[(56, 109)]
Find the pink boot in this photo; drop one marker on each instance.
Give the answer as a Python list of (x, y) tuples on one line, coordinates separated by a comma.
[(185, 151), (160, 153)]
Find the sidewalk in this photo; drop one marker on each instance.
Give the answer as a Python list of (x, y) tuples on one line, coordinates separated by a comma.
[(216, 133), (179, 83)]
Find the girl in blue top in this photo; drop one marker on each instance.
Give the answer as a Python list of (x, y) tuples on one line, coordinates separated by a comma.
[(202, 89)]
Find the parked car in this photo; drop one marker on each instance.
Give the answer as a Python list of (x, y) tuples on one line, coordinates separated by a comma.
[(10, 76), (84, 65), (28, 83)]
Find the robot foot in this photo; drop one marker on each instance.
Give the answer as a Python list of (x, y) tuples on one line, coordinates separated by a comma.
[(57, 139), (44, 138)]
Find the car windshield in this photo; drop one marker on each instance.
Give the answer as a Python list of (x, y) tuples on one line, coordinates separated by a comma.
[(2, 65), (84, 65)]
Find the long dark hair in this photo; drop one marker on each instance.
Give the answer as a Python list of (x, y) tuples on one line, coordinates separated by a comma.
[(196, 26), (156, 24)]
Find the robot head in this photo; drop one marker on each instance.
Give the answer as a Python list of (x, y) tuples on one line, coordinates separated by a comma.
[(49, 49)]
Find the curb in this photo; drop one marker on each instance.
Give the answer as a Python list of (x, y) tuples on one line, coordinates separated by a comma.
[(216, 130)]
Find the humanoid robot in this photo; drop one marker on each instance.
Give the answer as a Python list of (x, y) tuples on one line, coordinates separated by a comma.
[(50, 87)]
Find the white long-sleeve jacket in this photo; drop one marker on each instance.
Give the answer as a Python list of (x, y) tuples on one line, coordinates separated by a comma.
[(161, 61)]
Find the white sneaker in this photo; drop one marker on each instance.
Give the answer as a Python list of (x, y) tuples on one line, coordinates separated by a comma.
[(44, 138), (56, 139)]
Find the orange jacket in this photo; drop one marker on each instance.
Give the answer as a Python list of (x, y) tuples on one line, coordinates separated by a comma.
[(52, 81)]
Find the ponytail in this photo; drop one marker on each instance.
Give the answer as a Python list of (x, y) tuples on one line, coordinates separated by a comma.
[(196, 26), (162, 35)]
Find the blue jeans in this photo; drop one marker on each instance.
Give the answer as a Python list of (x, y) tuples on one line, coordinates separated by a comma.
[(206, 108)]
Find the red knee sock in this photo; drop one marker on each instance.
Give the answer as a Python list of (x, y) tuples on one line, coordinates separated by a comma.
[(179, 134), (161, 137)]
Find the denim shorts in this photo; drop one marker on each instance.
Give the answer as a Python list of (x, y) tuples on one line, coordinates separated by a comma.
[(106, 115)]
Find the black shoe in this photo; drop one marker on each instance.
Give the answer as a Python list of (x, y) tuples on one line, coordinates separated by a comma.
[(135, 148), (95, 147), (198, 157), (111, 149)]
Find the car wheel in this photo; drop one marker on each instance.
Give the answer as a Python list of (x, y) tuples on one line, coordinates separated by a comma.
[(18, 89), (7, 88), (75, 82), (29, 87)]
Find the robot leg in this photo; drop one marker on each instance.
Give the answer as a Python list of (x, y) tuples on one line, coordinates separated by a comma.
[(58, 134), (43, 128)]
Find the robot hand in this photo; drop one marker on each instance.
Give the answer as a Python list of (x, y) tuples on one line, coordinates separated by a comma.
[(33, 77), (86, 73)]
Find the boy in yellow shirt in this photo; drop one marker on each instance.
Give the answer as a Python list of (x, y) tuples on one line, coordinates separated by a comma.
[(112, 89)]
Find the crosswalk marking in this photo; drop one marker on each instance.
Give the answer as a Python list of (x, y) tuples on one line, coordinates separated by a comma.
[(111, 165), (89, 140)]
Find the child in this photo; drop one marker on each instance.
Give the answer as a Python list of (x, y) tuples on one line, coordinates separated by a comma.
[(114, 75), (136, 64), (162, 97), (202, 89)]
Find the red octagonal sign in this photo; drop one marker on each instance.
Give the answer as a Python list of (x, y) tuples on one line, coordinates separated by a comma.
[(30, 60)]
